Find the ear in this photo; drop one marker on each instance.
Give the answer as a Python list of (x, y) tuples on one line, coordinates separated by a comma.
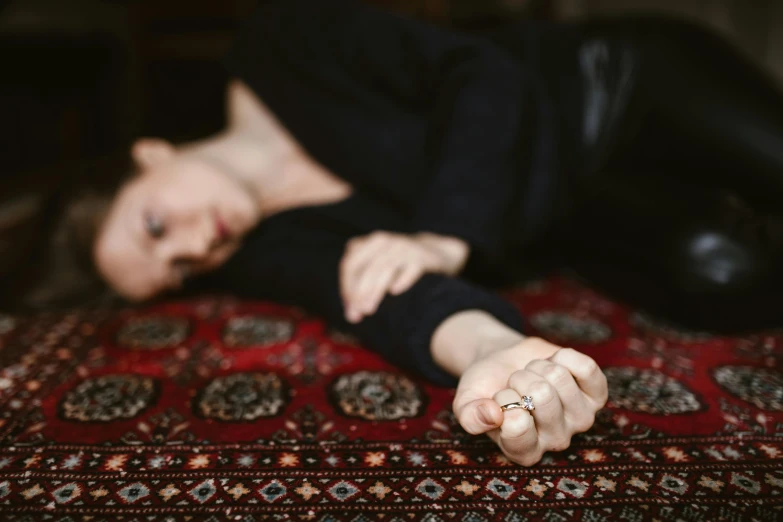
[(148, 152)]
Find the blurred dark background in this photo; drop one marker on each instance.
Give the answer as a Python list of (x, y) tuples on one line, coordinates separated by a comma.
[(81, 79)]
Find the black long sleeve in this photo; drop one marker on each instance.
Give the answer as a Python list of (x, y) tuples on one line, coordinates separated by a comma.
[(477, 104), (479, 107), (294, 259), (433, 129)]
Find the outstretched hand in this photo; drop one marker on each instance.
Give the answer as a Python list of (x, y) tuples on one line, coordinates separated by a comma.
[(567, 387)]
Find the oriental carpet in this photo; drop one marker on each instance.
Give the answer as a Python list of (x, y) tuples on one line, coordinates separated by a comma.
[(221, 409)]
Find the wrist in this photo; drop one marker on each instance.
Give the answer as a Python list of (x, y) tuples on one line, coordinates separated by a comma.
[(467, 337), (491, 344)]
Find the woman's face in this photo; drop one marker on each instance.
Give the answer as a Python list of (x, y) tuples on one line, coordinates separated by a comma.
[(177, 217)]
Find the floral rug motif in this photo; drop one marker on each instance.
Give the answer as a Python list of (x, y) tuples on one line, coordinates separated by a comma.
[(220, 409)]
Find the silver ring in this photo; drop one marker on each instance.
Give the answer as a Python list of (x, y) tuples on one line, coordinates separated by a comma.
[(526, 404)]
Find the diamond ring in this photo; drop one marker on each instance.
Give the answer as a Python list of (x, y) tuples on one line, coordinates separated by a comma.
[(526, 404)]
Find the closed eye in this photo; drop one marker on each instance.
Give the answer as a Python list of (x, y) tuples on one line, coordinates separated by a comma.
[(154, 226)]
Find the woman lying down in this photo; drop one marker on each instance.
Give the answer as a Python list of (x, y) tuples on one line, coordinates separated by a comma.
[(382, 172)]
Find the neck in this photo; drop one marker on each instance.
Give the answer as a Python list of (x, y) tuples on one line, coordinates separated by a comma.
[(266, 165), (259, 153), (272, 168)]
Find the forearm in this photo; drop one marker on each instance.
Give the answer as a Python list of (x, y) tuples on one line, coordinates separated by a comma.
[(465, 336)]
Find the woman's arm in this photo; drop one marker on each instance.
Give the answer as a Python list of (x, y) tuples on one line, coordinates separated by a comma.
[(481, 104), (467, 336), (290, 262), (444, 328)]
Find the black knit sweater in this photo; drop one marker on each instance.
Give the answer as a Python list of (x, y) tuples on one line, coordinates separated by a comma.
[(437, 131)]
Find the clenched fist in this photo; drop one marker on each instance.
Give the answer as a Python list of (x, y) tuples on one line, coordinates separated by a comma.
[(567, 388), (387, 262)]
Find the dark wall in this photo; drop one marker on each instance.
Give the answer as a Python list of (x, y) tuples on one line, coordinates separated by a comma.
[(83, 78), (85, 84)]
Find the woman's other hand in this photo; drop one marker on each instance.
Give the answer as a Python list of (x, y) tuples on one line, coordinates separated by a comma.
[(567, 387), (387, 262)]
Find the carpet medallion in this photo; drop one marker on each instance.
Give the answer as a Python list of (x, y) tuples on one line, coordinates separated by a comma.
[(221, 409)]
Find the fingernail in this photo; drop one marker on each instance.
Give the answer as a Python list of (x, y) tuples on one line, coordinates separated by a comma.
[(485, 416)]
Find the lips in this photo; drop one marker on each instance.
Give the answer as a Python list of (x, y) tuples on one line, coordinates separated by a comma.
[(222, 232)]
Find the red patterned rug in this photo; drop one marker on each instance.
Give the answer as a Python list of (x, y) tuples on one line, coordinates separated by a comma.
[(217, 409)]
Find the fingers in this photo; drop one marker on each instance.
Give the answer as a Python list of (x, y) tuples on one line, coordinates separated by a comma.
[(358, 252), (474, 389), (567, 389), (359, 255), (579, 416), (405, 279), (375, 265), (588, 375), (553, 433), (517, 436), (374, 282), (479, 416)]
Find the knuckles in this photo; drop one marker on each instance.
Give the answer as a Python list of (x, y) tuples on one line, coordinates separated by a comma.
[(402, 245), (542, 392), (358, 242), (567, 352), (516, 381), (382, 235), (563, 356), (556, 374), (591, 369)]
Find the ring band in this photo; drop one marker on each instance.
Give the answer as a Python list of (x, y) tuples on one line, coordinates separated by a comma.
[(511, 406), (526, 404)]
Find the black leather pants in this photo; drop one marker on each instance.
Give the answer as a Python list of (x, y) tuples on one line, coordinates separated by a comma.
[(684, 212)]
